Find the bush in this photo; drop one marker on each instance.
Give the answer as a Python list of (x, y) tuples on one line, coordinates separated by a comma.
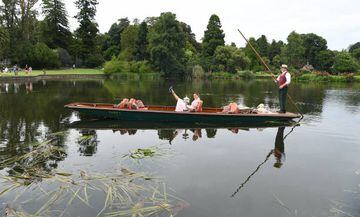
[(64, 57), (140, 67), (247, 74), (94, 60), (198, 72), (116, 66), (40, 56), (344, 62), (350, 77)]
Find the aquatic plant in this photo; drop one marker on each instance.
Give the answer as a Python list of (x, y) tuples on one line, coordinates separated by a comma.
[(123, 192), (150, 152)]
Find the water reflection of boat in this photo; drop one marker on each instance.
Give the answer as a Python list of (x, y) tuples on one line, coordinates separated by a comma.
[(167, 114), (126, 125)]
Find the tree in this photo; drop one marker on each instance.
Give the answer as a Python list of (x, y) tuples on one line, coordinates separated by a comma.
[(19, 19), (230, 59), (294, 52), (325, 60), (4, 43), (56, 32), (41, 56), (313, 45), (255, 63), (274, 50), (87, 30), (167, 42), (344, 62), (356, 54), (116, 29), (141, 44), (263, 45), (213, 37), (128, 41), (190, 36), (354, 46)]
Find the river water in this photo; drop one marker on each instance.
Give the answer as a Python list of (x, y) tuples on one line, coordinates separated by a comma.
[(315, 171)]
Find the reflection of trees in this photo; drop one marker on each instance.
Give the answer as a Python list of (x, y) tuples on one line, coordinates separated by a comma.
[(88, 142), (211, 133), (26, 119)]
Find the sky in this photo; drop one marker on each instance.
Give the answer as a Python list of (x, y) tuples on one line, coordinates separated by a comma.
[(338, 21)]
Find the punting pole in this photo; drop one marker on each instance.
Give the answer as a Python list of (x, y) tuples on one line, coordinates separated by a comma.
[(269, 70)]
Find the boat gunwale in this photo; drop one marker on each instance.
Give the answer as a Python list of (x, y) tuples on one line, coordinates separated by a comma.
[(87, 106)]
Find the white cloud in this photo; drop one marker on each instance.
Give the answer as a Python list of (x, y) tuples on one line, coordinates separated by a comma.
[(337, 21)]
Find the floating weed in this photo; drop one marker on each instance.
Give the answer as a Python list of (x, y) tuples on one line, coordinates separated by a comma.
[(125, 193), (150, 152)]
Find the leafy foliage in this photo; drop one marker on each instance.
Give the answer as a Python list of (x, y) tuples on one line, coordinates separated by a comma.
[(325, 60), (313, 44), (344, 62), (166, 45), (294, 52), (56, 31), (141, 44), (230, 59)]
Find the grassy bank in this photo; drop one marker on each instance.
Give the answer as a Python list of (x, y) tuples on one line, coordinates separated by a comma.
[(57, 72), (300, 78)]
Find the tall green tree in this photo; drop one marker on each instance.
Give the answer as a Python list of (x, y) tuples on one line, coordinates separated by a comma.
[(255, 63), (19, 19), (167, 42), (213, 37), (313, 44), (88, 28), (141, 44), (325, 60), (354, 46), (190, 36), (294, 52), (263, 45), (56, 32), (4, 43), (128, 42), (275, 49)]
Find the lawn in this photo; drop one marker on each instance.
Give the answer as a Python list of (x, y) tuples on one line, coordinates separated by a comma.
[(58, 72)]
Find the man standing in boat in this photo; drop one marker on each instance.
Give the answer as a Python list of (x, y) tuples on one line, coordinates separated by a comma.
[(283, 81)]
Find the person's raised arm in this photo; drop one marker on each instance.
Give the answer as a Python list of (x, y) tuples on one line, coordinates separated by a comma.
[(174, 95)]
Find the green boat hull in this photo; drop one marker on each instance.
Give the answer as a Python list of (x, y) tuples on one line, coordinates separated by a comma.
[(168, 116)]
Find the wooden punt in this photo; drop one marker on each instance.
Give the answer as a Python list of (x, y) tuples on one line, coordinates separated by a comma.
[(167, 114)]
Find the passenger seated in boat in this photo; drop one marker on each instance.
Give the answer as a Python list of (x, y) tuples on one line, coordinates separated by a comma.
[(183, 104), (122, 104), (133, 104), (232, 108)]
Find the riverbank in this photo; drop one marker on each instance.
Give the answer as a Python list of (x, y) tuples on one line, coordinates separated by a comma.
[(37, 75), (299, 78)]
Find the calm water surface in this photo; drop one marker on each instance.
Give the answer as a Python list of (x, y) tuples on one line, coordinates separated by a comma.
[(315, 171)]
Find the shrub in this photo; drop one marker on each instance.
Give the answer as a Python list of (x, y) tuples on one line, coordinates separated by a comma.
[(40, 56), (344, 62), (140, 67), (198, 72), (94, 60), (349, 77), (116, 66), (64, 57), (247, 74)]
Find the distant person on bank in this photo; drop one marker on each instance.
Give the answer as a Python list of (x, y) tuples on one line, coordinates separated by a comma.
[(283, 81)]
